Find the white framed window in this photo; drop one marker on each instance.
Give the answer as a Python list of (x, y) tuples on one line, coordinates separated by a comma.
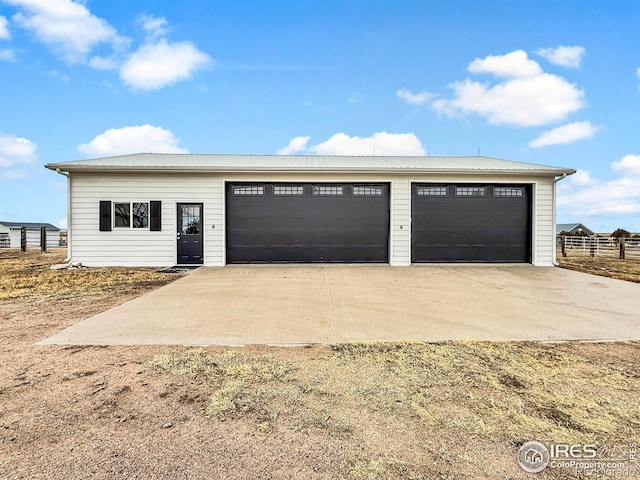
[(432, 191), (288, 190), (131, 214), (248, 190), (327, 189), (367, 190), (471, 191), (508, 191)]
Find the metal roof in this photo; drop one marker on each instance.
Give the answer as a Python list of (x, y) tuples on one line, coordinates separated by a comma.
[(30, 225), (171, 162), (568, 227)]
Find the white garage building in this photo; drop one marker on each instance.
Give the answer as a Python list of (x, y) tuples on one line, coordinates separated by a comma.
[(167, 209)]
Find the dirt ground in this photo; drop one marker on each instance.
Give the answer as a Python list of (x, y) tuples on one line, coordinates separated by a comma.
[(359, 411)]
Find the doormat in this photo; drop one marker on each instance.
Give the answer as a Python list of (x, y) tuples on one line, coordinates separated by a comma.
[(176, 269)]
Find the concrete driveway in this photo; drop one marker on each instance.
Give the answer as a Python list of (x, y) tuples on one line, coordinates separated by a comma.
[(289, 305)]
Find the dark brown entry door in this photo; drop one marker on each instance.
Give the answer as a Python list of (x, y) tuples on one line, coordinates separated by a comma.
[(189, 233)]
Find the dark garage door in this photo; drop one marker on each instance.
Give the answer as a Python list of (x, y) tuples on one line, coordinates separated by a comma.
[(324, 222), (470, 223)]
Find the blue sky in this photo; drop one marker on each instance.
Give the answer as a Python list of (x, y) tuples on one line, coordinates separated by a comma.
[(552, 82)]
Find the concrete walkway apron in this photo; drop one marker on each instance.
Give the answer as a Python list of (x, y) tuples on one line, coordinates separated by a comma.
[(291, 305)]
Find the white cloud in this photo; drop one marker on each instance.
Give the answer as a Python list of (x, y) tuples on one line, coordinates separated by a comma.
[(66, 26), (420, 98), (638, 75), (512, 65), (154, 26), (134, 139), (380, 143), (565, 134), (157, 65), (7, 55), (522, 102), (582, 178), (4, 29), (569, 57), (629, 166), (587, 197), (297, 145), (16, 151), (528, 97)]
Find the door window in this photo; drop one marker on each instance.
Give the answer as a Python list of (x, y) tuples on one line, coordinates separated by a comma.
[(190, 219)]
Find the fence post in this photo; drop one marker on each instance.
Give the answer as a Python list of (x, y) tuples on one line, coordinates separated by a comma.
[(592, 246), (563, 244), (622, 248), (23, 239), (43, 238)]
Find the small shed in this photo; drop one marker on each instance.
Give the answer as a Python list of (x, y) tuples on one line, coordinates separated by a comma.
[(10, 234)]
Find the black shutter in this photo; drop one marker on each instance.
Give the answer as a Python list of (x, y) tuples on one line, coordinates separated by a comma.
[(105, 216), (155, 215)]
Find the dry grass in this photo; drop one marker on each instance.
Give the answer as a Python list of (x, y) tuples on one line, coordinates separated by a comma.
[(604, 266), (493, 391), (28, 275)]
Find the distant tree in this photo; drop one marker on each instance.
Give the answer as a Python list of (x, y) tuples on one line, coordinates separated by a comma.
[(620, 232)]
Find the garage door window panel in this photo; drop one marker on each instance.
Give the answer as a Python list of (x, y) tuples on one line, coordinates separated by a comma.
[(432, 191), (288, 190), (248, 190), (469, 191), (367, 190), (327, 190), (508, 192)]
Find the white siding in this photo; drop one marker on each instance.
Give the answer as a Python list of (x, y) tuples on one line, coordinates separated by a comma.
[(132, 247), (400, 222), (544, 251), (141, 247)]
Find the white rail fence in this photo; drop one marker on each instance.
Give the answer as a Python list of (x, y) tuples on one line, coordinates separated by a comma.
[(623, 248)]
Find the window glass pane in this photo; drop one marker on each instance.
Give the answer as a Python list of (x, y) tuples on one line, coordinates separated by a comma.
[(508, 192), (121, 215), (471, 191), (367, 190), (248, 190), (433, 191), (288, 190), (190, 219), (140, 215), (327, 190)]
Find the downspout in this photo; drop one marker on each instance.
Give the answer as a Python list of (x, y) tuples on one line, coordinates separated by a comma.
[(555, 247), (68, 175)]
